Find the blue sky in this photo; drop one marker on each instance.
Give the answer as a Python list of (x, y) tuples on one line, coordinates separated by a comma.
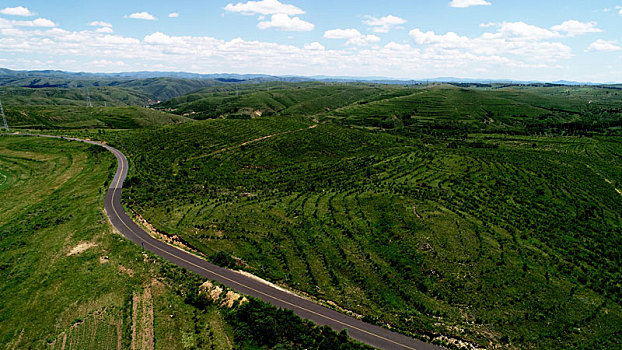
[(409, 39)]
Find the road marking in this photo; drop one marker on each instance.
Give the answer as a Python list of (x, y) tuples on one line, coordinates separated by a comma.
[(250, 288), (120, 159)]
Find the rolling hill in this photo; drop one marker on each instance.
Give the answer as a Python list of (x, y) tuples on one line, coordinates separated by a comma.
[(492, 239)]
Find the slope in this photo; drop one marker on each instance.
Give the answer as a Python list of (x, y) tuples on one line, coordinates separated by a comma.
[(496, 240)]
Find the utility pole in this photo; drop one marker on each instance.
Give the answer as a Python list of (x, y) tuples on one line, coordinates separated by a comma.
[(88, 98), (6, 126)]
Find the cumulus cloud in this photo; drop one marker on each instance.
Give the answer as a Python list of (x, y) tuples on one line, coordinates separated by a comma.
[(314, 46), (17, 11), (574, 28), (468, 3), (521, 30), (383, 24), (104, 30), (601, 45), (100, 24), (353, 37), (142, 15), (282, 21), (173, 15), (516, 39), (428, 53), (264, 7), (39, 22), (281, 15)]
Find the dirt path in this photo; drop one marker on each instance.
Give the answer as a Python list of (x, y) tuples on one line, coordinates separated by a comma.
[(246, 143), (142, 320)]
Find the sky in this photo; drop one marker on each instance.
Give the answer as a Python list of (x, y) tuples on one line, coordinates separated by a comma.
[(577, 40)]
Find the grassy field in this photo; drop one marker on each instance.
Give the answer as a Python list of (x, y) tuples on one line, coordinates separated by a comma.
[(69, 282), (495, 239)]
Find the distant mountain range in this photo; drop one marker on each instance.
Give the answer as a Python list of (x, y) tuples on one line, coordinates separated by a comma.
[(13, 77)]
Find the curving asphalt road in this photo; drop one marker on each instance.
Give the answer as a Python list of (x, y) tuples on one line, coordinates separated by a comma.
[(364, 332)]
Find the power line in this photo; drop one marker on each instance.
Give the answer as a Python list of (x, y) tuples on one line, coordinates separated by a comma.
[(88, 98), (6, 125)]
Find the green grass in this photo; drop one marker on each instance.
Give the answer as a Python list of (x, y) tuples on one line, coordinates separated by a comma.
[(52, 298), (53, 205), (80, 117), (100, 96), (492, 238), (439, 109), (113, 92), (304, 99)]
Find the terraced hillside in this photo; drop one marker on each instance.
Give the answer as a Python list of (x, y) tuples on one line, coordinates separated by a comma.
[(80, 117), (439, 109), (100, 96), (69, 282), (516, 109), (492, 239), (301, 99), (48, 89)]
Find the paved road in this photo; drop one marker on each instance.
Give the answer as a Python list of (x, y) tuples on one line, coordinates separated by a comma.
[(364, 332)]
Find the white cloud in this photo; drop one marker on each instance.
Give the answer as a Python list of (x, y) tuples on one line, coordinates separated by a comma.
[(518, 40), (499, 53), (281, 15), (100, 24), (264, 7), (353, 36), (574, 28), (17, 11), (142, 15), (173, 15), (522, 30), (39, 23), (468, 3), (430, 37), (284, 22), (314, 46), (104, 30), (604, 45), (383, 24)]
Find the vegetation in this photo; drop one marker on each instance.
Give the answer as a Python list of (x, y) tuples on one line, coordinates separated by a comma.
[(248, 101), (100, 97), (69, 282), (80, 117), (438, 110), (487, 237), (490, 214), (104, 88)]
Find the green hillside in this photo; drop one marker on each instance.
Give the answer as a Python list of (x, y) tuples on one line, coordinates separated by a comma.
[(126, 91), (438, 108), (303, 99), (100, 96), (79, 117), (69, 282), (492, 239), (162, 89)]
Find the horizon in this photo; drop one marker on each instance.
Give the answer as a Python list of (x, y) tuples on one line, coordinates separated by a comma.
[(319, 78), (466, 39)]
